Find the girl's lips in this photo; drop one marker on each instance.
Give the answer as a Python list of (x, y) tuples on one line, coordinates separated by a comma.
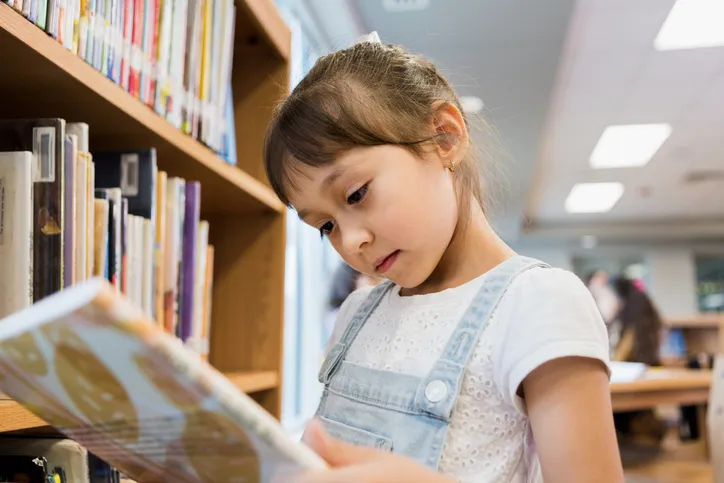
[(387, 262)]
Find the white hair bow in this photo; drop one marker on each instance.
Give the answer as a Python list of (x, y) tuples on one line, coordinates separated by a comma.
[(372, 37)]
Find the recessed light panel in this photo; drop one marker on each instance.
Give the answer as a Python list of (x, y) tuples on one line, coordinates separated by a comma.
[(593, 197), (628, 145)]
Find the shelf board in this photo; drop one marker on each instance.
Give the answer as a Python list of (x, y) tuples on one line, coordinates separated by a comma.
[(14, 417), (701, 321), (254, 381), (63, 85)]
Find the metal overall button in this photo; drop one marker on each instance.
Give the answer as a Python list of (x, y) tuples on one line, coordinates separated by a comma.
[(436, 391)]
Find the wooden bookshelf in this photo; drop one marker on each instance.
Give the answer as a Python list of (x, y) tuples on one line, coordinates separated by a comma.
[(17, 418), (247, 221)]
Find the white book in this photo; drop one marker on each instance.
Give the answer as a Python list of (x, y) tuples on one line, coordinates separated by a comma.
[(138, 257), (174, 417), (177, 61), (202, 243), (149, 239), (90, 240), (81, 214), (16, 231)]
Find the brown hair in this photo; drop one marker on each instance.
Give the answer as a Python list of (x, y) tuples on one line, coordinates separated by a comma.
[(366, 95)]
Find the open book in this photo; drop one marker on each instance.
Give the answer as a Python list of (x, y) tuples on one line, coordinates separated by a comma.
[(94, 366)]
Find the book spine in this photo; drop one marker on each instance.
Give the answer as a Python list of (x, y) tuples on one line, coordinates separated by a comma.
[(33, 14), (68, 24), (149, 238), (26, 8), (18, 6), (137, 49), (178, 56), (69, 227), (90, 199), (115, 265), (48, 210), (208, 291), (127, 44), (75, 45), (119, 18), (188, 267), (159, 253), (193, 29), (42, 14), (105, 38), (60, 29), (153, 54), (110, 39), (81, 214), (202, 243), (124, 275), (162, 56), (16, 231), (90, 33), (170, 286), (101, 211)]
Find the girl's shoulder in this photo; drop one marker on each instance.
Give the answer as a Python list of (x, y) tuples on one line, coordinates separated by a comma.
[(346, 312)]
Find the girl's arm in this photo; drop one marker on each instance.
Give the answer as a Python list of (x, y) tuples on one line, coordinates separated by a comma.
[(569, 404)]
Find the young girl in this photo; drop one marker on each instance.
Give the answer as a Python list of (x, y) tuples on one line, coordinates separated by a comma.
[(468, 363)]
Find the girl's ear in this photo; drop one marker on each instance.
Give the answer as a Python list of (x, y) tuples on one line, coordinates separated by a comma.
[(452, 134)]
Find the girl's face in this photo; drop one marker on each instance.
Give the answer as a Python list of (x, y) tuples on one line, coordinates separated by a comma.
[(387, 212)]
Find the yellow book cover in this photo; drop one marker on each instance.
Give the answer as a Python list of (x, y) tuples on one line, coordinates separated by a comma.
[(100, 371), (158, 274)]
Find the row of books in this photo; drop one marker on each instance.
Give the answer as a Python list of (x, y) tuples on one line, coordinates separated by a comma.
[(173, 55), (67, 215)]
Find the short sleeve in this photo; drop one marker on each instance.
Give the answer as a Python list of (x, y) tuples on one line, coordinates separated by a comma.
[(346, 312), (546, 314)]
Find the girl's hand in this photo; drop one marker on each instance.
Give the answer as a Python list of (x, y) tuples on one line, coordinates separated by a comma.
[(361, 465)]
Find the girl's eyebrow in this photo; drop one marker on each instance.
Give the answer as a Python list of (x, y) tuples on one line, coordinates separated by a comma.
[(331, 178)]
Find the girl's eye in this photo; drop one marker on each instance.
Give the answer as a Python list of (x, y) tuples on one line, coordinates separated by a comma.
[(358, 195), (326, 229)]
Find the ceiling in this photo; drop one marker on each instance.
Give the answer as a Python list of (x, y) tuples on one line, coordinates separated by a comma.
[(553, 75), (611, 74)]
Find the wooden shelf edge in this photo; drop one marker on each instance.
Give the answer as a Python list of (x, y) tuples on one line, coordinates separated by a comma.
[(699, 321), (254, 381), (14, 417), (29, 34), (271, 24)]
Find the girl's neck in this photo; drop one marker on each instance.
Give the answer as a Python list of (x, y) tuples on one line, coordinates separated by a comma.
[(474, 250)]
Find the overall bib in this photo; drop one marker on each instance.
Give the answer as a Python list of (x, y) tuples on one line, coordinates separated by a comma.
[(397, 412)]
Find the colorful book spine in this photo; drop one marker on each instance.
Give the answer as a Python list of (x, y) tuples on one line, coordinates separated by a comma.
[(177, 67), (158, 277), (81, 215), (124, 276), (42, 19), (188, 266), (127, 44), (137, 47), (16, 231), (101, 217), (69, 215), (175, 191)]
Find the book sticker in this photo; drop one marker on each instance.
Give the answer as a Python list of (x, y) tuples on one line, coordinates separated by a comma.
[(129, 174), (44, 150), (2, 210)]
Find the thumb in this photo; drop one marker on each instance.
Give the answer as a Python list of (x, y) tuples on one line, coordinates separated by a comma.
[(333, 451)]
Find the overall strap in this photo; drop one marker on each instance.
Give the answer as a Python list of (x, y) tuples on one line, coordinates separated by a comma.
[(439, 390), (339, 350)]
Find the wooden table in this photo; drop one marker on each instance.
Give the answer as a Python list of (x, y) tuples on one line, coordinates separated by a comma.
[(662, 386)]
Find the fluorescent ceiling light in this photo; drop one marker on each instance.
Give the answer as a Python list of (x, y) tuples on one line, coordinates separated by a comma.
[(472, 104), (692, 24), (593, 197), (627, 146)]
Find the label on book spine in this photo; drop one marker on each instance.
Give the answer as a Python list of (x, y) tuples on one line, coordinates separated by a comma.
[(44, 149), (129, 174)]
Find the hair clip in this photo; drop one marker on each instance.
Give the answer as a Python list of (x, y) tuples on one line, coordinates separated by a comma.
[(372, 37)]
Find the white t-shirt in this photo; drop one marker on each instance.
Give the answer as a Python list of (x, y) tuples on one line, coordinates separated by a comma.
[(546, 314)]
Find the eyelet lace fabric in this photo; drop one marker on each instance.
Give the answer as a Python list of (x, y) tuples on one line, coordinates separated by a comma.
[(486, 437)]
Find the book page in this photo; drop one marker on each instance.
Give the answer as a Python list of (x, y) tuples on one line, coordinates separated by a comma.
[(111, 379)]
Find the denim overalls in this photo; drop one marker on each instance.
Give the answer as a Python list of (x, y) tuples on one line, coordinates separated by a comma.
[(401, 413)]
